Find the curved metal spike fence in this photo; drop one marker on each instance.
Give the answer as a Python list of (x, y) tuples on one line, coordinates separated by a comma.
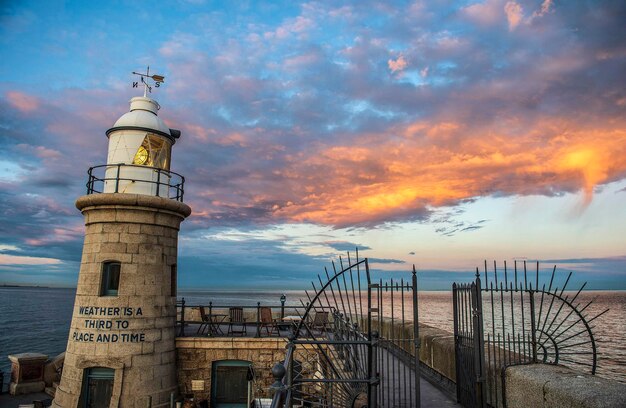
[(508, 319), (345, 352)]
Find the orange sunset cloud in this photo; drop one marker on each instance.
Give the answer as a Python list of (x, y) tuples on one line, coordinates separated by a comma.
[(437, 164)]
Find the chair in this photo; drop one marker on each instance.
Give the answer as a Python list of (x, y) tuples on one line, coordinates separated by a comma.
[(236, 321), (320, 321), (267, 321), (206, 321)]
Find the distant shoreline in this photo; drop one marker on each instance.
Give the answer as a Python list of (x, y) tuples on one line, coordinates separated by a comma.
[(30, 286)]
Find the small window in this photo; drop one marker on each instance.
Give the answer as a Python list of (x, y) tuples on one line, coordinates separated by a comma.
[(173, 279), (97, 388), (110, 279)]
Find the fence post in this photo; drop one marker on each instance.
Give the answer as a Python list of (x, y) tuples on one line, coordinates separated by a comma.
[(416, 339), (210, 322), (89, 189), (277, 389), (158, 181), (457, 355), (182, 188), (291, 348), (533, 332), (117, 178), (258, 319), (374, 381), (479, 342), (283, 298)]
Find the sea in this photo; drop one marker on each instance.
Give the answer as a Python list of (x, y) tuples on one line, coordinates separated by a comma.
[(34, 319)]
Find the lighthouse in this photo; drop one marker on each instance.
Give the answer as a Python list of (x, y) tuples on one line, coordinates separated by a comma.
[(121, 345)]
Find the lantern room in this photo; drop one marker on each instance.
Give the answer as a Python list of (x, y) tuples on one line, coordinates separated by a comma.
[(140, 150)]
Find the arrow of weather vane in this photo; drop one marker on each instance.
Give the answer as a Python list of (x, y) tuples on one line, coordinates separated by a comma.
[(158, 80)]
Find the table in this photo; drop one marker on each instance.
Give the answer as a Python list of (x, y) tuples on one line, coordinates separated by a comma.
[(214, 324), (290, 321)]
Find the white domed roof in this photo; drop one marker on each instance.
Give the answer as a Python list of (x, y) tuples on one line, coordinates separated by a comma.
[(143, 115)]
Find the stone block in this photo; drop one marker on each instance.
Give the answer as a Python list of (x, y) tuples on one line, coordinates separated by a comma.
[(113, 247), (544, 385), (129, 238), (152, 249), (135, 216), (167, 220), (113, 227), (26, 388), (147, 348), (152, 230)]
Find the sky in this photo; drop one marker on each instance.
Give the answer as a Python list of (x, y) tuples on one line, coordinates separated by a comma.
[(430, 133)]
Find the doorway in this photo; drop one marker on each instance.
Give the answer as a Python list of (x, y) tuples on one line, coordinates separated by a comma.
[(97, 387), (231, 384)]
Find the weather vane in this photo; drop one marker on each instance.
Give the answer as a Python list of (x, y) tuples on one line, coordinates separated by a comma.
[(158, 80)]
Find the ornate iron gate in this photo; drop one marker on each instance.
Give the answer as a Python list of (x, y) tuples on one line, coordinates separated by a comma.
[(526, 321), (469, 343), (356, 344)]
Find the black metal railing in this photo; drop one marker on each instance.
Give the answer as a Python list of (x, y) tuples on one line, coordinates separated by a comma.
[(213, 320), (166, 184)]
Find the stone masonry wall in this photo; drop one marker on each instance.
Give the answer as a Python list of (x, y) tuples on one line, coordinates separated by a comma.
[(196, 356), (134, 332)]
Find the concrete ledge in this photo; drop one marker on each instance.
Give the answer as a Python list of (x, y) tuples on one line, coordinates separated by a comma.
[(543, 385), (231, 343)]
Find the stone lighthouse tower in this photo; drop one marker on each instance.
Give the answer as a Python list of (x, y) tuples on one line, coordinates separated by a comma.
[(121, 345)]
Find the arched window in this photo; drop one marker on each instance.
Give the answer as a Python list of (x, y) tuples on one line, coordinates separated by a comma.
[(110, 278)]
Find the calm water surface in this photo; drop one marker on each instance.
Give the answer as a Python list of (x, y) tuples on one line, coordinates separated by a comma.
[(38, 319)]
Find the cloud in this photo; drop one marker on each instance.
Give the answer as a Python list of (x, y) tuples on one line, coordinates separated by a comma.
[(514, 14), (290, 115), (397, 65), (345, 246), (486, 13), (24, 102), (26, 260), (546, 7), (385, 261), (268, 139)]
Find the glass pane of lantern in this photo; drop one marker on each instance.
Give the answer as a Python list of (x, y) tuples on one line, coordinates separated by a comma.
[(154, 152)]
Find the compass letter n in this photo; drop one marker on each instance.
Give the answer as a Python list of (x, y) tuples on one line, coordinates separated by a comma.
[(135, 84)]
